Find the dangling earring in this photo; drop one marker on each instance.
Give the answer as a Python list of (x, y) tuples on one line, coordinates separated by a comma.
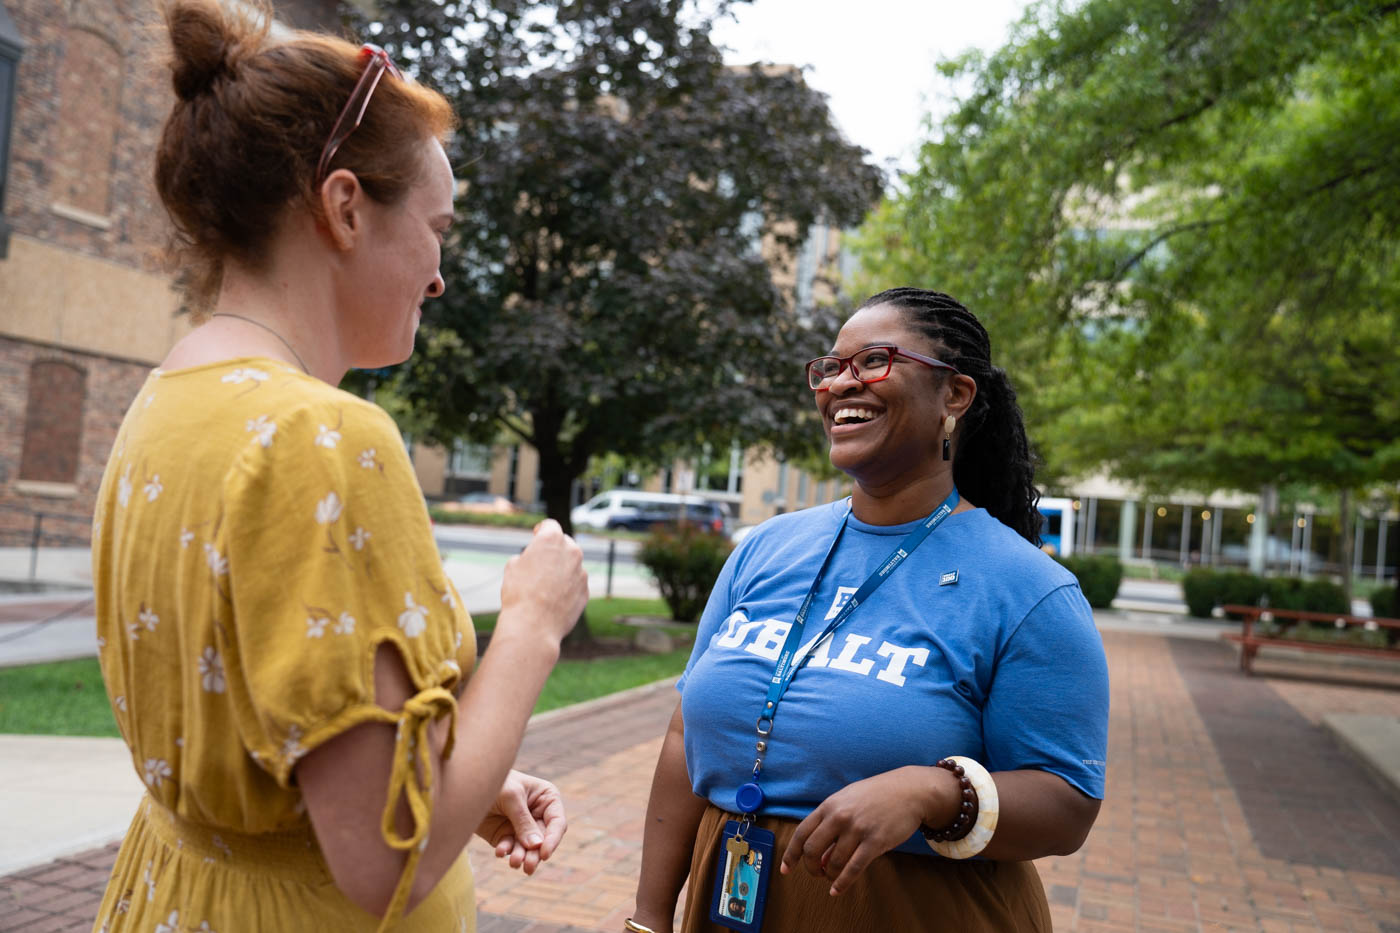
[(948, 424)]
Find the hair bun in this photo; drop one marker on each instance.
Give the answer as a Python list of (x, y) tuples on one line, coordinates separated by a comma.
[(204, 43)]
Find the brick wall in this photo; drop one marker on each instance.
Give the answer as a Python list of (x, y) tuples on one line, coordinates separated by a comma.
[(91, 94), (108, 387)]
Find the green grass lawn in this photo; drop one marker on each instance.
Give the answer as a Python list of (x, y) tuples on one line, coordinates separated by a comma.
[(67, 697), (62, 698)]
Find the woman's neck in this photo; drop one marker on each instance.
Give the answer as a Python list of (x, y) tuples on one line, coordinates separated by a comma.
[(895, 504)]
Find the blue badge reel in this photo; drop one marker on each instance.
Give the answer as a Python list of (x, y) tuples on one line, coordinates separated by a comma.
[(743, 868)]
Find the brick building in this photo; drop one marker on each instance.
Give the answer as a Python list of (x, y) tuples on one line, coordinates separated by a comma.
[(86, 309)]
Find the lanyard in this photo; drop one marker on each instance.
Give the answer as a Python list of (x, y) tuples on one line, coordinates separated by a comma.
[(750, 795)]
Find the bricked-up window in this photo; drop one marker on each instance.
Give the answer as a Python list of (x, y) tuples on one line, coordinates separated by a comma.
[(53, 422), (89, 88)]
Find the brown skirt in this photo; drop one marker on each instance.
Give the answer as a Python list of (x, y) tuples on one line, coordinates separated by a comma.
[(897, 892)]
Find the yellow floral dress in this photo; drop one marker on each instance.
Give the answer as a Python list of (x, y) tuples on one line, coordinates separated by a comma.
[(258, 535)]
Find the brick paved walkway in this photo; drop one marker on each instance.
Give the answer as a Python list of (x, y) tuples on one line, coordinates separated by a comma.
[(1228, 809)]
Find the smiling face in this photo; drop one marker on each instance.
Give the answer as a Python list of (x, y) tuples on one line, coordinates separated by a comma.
[(399, 268), (889, 431)]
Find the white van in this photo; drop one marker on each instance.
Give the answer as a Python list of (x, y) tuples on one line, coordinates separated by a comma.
[(636, 510)]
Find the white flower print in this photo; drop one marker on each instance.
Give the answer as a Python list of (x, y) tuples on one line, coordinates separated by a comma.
[(179, 741), (216, 563), (153, 488), (315, 628), (291, 746), (101, 643), (242, 375), (148, 618), (222, 846), (133, 631), (367, 458), (203, 928), (459, 641), (211, 670), (120, 702), (328, 509), (263, 428), (157, 770), (358, 538), (345, 625), (151, 894), (123, 904), (414, 619), (186, 536), (172, 922), (327, 438), (448, 599), (124, 488)]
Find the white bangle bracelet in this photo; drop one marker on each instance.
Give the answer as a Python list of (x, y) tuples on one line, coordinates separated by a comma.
[(987, 809)]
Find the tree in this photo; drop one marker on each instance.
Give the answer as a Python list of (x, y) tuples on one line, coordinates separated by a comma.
[(1180, 218), (606, 291)]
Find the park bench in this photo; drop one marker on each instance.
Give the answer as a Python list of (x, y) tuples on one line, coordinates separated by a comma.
[(1250, 641)]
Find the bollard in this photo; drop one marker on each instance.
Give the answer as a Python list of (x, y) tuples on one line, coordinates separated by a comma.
[(612, 555), (34, 545)]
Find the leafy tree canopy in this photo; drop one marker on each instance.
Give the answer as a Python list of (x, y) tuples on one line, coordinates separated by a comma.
[(1180, 220), (606, 291)]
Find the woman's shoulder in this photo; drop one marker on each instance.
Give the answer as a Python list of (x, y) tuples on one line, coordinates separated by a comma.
[(1016, 559), (791, 526)]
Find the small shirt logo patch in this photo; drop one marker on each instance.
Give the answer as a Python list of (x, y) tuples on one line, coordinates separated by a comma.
[(947, 578)]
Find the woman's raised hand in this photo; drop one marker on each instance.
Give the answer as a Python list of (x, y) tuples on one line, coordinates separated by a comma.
[(545, 586)]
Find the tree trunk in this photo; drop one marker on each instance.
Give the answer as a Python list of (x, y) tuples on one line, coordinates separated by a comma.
[(1347, 551), (556, 485)]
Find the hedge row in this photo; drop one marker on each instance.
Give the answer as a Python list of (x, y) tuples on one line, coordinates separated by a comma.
[(1099, 576), (1385, 603), (1206, 589)]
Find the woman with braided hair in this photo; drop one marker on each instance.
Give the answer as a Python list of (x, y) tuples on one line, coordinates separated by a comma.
[(862, 745)]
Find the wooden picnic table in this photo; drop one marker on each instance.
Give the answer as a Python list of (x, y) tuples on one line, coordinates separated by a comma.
[(1250, 640)]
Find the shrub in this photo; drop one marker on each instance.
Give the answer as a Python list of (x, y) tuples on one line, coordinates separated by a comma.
[(1201, 588), (1385, 602), (685, 561), (1239, 589), (1099, 576)]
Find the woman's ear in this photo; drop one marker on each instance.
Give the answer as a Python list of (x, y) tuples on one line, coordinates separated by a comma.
[(961, 390), (342, 204)]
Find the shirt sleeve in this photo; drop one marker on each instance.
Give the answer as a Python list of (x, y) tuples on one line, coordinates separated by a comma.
[(326, 552), (1048, 705)]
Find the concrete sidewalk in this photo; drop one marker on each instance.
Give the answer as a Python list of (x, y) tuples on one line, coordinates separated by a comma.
[(1229, 807)]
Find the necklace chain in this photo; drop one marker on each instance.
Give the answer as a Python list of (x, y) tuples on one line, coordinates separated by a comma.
[(292, 349)]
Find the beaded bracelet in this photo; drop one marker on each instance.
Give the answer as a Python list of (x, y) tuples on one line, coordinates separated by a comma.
[(971, 830)]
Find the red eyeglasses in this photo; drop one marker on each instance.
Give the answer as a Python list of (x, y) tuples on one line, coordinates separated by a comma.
[(350, 117), (869, 365)]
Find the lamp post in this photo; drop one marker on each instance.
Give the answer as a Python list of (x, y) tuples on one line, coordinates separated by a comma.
[(11, 47)]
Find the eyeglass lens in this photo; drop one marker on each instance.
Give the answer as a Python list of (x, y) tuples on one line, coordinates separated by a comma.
[(869, 365)]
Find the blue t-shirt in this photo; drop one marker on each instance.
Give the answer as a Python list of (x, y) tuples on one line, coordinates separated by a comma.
[(1004, 665)]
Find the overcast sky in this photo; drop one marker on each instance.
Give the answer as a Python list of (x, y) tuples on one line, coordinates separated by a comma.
[(874, 58)]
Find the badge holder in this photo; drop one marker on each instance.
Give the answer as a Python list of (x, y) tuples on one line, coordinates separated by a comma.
[(745, 862)]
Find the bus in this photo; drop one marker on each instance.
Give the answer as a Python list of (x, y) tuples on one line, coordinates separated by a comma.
[(1057, 526)]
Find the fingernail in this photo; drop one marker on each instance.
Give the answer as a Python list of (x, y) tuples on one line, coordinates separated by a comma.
[(533, 839), (833, 892)]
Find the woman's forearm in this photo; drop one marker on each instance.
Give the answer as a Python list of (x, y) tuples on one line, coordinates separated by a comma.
[(491, 719), (1040, 814), (673, 814)]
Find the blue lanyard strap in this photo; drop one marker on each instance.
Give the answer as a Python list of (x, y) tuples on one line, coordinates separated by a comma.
[(788, 662), (749, 797)]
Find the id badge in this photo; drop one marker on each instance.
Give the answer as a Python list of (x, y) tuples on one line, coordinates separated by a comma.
[(741, 877)]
